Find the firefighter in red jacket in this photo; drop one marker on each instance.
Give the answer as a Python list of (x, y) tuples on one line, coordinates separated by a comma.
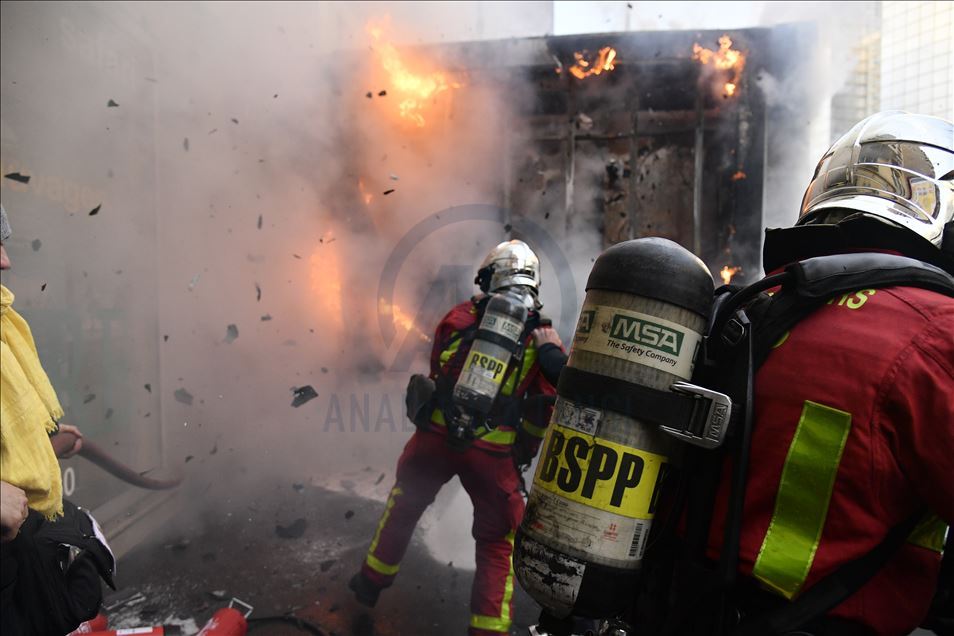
[(854, 407), (487, 468)]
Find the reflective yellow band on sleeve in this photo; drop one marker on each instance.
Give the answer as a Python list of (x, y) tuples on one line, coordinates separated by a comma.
[(930, 533), (536, 431), (801, 505)]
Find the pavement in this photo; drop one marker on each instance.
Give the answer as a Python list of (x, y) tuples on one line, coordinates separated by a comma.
[(293, 553)]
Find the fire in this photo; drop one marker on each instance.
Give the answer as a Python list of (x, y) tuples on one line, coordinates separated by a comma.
[(325, 275), (738, 176), (725, 59), (728, 272), (401, 319), (587, 64), (412, 90), (365, 195)]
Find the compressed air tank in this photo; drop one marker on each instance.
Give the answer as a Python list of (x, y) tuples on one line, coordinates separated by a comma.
[(497, 337), (583, 537)]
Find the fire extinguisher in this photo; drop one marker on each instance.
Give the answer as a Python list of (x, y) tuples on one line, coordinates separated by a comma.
[(228, 621), (96, 624), (496, 340), (579, 548)]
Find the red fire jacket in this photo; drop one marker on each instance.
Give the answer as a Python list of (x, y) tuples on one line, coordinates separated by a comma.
[(854, 432), (527, 380)]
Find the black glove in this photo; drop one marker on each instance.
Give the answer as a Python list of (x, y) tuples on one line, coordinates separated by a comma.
[(419, 399)]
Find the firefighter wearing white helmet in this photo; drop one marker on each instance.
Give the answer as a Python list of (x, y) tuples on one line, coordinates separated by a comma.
[(480, 412), (849, 493)]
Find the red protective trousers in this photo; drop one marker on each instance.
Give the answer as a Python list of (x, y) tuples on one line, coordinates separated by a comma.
[(492, 482)]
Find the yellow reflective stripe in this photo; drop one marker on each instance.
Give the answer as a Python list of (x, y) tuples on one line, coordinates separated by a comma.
[(373, 562), (536, 431), (501, 623), (380, 566), (450, 350), (514, 379), (498, 436), (930, 533), (801, 505)]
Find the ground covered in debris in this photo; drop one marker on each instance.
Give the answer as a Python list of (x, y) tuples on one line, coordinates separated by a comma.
[(293, 555)]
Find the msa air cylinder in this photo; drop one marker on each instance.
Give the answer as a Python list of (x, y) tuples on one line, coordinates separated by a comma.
[(482, 375), (579, 548)]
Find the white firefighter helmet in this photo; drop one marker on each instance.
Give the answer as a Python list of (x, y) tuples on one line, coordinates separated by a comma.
[(510, 264), (895, 166)]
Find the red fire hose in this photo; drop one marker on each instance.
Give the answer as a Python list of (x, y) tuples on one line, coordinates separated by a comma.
[(64, 441)]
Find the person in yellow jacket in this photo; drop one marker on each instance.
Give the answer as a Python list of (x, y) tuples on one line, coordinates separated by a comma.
[(29, 414)]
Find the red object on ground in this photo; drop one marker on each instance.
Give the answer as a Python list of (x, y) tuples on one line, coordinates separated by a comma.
[(227, 621), (96, 624)]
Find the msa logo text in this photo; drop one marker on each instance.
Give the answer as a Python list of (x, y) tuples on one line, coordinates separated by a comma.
[(646, 333)]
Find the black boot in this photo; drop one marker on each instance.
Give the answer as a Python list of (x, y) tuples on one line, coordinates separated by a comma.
[(364, 590)]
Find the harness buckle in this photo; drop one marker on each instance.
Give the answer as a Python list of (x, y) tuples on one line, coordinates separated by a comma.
[(709, 420)]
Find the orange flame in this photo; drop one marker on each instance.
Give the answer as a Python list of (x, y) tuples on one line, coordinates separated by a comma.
[(365, 195), (587, 65), (412, 90), (325, 278), (738, 176), (401, 319), (725, 59), (728, 272)]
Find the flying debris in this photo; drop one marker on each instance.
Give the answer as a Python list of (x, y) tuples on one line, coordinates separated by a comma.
[(89, 398), (266, 317), (148, 387), (95, 210), (231, 333), (112, 104), (185, 144), (304, 395), (349, 514), (192, 284), (387, 192), (258, 293), (109, 413), (234, 120), (382, 93), (369, 95), (259, 221), (188, 458), (19, 178), (43, 287), (292, 531), (183, 396)]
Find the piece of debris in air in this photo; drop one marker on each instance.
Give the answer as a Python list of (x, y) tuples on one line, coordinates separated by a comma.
[(349, 514), (112, 104), (259, 221), (219, 595), (36, 245), (234, 120), (387, 192), (266, 317), (298, 487), (369, 95), (183, 396), (258, 293), (231, 333), (108, 414), (95, 210), (393, 177), (304, 395), (185, 144), (188, 458), (16, 176), (382, 93), (43, 287), (89, 398), (194, 281), (380, 479), (292, 531), (148, 387)]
